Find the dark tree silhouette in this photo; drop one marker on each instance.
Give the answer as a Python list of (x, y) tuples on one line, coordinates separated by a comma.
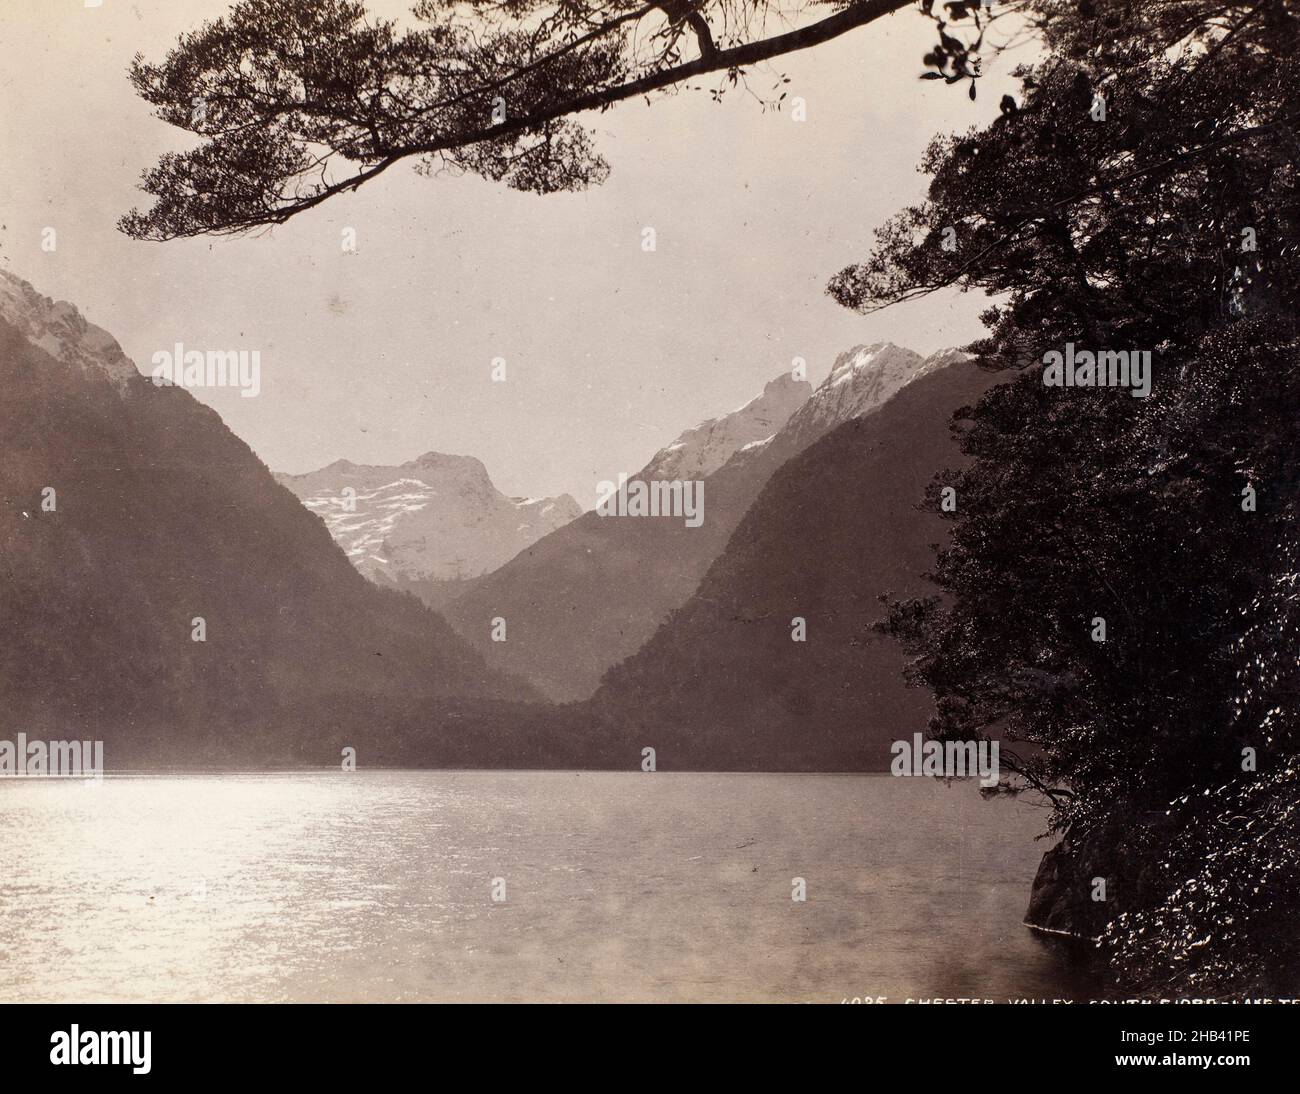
[(1142, 194), (299, 100)]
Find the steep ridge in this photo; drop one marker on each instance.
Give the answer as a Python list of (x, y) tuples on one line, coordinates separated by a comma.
[(585, 597), (722, 684), (700, 451), (160, 516)]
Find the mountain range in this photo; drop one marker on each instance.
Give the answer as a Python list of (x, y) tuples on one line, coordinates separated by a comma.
[(128, 514), (723, 684), (588, 595), (164, 592)]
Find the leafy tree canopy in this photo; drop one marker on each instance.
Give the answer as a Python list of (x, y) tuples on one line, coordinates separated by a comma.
[(298, 100), (1141, 194)]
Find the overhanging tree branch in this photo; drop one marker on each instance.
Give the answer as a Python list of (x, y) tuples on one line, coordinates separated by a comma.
[(289, 94), (722, 60)]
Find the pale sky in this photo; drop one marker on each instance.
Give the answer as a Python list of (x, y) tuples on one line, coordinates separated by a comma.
[(384, 354)]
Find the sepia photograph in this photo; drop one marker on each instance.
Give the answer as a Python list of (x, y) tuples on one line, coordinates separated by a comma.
[(684, 502)]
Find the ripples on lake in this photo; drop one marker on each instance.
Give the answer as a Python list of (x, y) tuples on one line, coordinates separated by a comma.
[(378, 886)]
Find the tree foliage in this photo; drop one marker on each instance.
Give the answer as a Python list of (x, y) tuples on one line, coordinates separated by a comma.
[(1163, 219), (296, 101)]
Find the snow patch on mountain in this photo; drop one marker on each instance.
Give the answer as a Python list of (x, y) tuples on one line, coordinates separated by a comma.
[(437, 517), (861, 381), (702, 450)]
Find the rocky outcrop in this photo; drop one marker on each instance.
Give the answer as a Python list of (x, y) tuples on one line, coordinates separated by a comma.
[(1085, 881)]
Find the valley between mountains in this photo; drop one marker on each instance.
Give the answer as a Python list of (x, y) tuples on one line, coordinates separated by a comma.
[(364, 606)]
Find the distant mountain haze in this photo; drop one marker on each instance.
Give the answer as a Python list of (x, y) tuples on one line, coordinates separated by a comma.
[(702, 450), (127, 512), (588, 595), (434, 518)]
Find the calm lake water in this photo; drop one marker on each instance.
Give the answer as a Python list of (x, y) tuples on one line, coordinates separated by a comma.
[(378, 886)]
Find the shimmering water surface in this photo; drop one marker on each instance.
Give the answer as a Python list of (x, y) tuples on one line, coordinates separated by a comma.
[(378, 886)]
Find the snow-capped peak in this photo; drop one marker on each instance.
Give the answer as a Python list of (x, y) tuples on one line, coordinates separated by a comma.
[(701, 451), (860, 381), (436, 517)]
